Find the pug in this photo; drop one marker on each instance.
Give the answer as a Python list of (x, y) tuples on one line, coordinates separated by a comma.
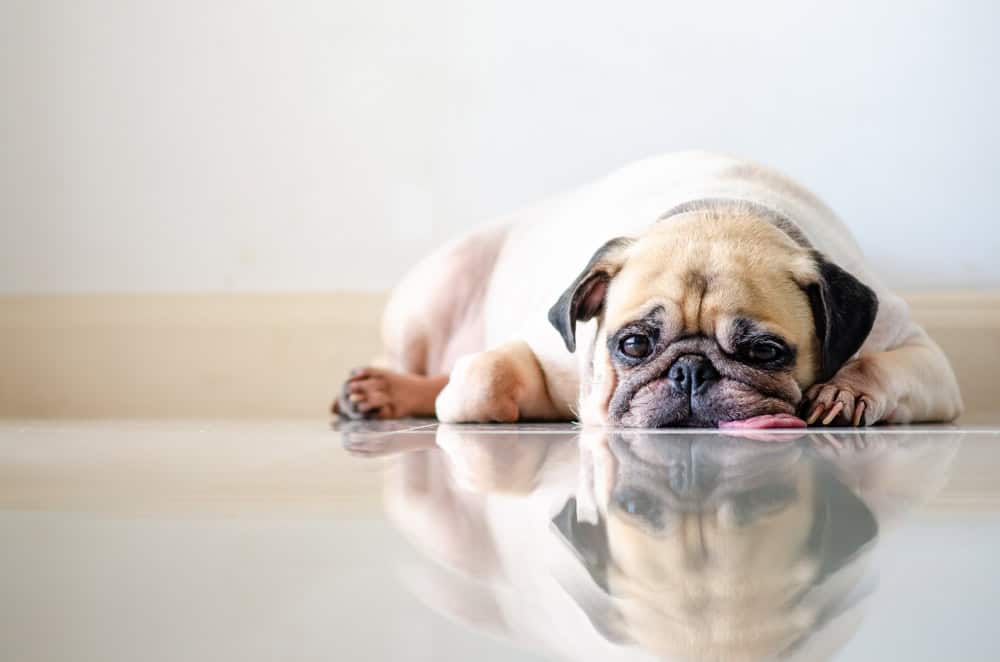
[(605, 544), (710, 547), (689, 290)]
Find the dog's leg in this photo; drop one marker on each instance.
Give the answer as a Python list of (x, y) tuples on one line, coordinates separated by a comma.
[(504, 385), (379, 393), (433, 316), (911, 383)]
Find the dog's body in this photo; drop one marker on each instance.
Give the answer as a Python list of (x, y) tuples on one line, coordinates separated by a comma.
[(712, 251)]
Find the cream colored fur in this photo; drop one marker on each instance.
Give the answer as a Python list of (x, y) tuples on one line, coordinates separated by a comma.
[(515, 365)]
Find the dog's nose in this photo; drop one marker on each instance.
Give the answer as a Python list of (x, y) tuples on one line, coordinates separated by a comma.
[(692, 374)]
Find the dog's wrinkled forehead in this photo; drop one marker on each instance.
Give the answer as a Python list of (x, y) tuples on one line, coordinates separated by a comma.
[(707, 270)]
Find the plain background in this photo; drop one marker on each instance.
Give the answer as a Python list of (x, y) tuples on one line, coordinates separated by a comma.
[(150, 146)]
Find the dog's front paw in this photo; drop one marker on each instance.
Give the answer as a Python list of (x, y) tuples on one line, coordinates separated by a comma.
[(481, 389), (852, 397)]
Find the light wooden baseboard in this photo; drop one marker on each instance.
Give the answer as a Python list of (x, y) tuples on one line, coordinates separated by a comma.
[(284, 355), (182, 356)]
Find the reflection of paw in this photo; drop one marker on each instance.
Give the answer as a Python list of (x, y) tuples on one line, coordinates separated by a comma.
[(837, 444), (507, 461), (367, 393), (383, 444), (482, 388), (852, 397)]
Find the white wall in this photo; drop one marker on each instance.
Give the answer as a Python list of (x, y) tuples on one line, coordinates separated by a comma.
[(277, 145)]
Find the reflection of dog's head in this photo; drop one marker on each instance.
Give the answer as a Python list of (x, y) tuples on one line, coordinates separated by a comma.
[(723, 312), (715, 548)]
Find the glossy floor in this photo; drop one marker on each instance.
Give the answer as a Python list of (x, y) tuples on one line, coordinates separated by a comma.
[(292, 541)]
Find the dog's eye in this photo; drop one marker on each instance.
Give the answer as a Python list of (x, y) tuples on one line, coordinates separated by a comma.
[(636, 346), (640, 505), (765, 350)]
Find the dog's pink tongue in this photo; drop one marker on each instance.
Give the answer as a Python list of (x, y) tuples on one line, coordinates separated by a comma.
[(765, 422)]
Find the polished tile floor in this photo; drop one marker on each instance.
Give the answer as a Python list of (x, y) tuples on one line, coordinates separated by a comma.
[(294, 541)]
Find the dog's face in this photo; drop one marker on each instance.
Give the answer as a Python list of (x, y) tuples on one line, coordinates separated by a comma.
[(718, 548), (715, 547), (712, 316)]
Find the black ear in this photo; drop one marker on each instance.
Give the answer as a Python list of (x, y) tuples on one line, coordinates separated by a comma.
[(843, 525), (844, 310), (584, 299), (589, 542)]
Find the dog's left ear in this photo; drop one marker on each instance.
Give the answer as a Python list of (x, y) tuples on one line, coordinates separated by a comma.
[(589, 542), (584, 298), (844, 311)]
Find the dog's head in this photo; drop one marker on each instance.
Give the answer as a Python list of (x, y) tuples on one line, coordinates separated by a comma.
[(721, 313), (717, 548)]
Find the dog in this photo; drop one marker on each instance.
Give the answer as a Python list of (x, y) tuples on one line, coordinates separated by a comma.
[(614, 544), (721, 294)]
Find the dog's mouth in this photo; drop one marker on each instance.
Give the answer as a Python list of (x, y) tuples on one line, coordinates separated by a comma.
[(764, 422), (729, 404)]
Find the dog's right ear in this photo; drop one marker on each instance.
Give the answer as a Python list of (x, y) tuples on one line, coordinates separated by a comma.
[(584, 298)]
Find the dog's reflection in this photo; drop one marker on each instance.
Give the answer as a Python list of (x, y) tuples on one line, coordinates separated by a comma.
[(719, 548), (631, 544)]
